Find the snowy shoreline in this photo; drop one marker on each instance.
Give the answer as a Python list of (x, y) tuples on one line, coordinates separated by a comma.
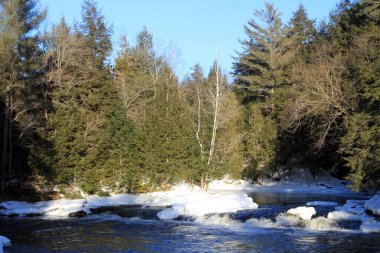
[(223, 196)]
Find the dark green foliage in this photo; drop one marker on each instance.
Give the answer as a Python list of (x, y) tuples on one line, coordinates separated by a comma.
[(361, 149), (170, 148)]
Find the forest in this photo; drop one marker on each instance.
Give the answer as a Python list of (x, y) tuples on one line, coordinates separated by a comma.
[(302, 94)]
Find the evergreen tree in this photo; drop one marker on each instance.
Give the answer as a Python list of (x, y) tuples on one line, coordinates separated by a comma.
[(267, 51), (92, 135), (262, 75), (303, 31), (170, 146)]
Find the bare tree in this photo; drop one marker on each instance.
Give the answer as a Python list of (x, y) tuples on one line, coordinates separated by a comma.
[(217, 89), (319, 100)]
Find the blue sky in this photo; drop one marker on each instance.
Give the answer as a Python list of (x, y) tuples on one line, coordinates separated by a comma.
[(188, 30)]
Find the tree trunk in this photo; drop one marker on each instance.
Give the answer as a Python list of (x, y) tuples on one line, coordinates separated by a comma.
[(216, 115), (199, 123)]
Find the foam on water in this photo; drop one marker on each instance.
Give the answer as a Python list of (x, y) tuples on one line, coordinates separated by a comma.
[(283, 220)]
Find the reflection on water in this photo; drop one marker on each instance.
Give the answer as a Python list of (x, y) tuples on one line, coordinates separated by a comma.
[(112, 234)]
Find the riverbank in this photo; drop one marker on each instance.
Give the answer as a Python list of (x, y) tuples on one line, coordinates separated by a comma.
[(222, 196)]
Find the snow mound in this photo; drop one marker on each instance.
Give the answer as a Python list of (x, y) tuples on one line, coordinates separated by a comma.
[(303, 212), (207, 204), (370, 226), (373, 204), (321, 203), (342, 215), (4, 242)]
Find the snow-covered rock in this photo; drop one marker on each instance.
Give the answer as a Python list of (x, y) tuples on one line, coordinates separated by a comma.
[(373, 204), (4, 242), (321, 203), (303, 212)]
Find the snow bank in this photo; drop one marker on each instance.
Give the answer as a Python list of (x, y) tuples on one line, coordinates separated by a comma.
[(4, 242), (321, 203), (51, 208), (184, 199), (300, 180), (373, 204), (206, 204), (228, 184), (115, 200), (303, 212)]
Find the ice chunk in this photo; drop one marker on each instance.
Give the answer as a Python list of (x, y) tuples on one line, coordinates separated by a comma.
[(373, 204), (303, 212), (321, 203)]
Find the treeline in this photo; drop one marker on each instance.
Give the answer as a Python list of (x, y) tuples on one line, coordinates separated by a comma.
[(303, 95), (311, 92)]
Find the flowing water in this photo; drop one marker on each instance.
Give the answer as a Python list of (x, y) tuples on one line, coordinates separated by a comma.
[(261, 230)]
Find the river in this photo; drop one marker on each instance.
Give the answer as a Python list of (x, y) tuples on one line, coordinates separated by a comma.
[(236, 232)]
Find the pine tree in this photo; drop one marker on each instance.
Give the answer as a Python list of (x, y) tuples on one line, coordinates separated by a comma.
[(262, 74), (170, 146), (93, 137), (303, 31), (267, 51)]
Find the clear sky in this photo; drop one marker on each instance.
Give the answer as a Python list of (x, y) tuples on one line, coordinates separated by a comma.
[(190, 30)]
